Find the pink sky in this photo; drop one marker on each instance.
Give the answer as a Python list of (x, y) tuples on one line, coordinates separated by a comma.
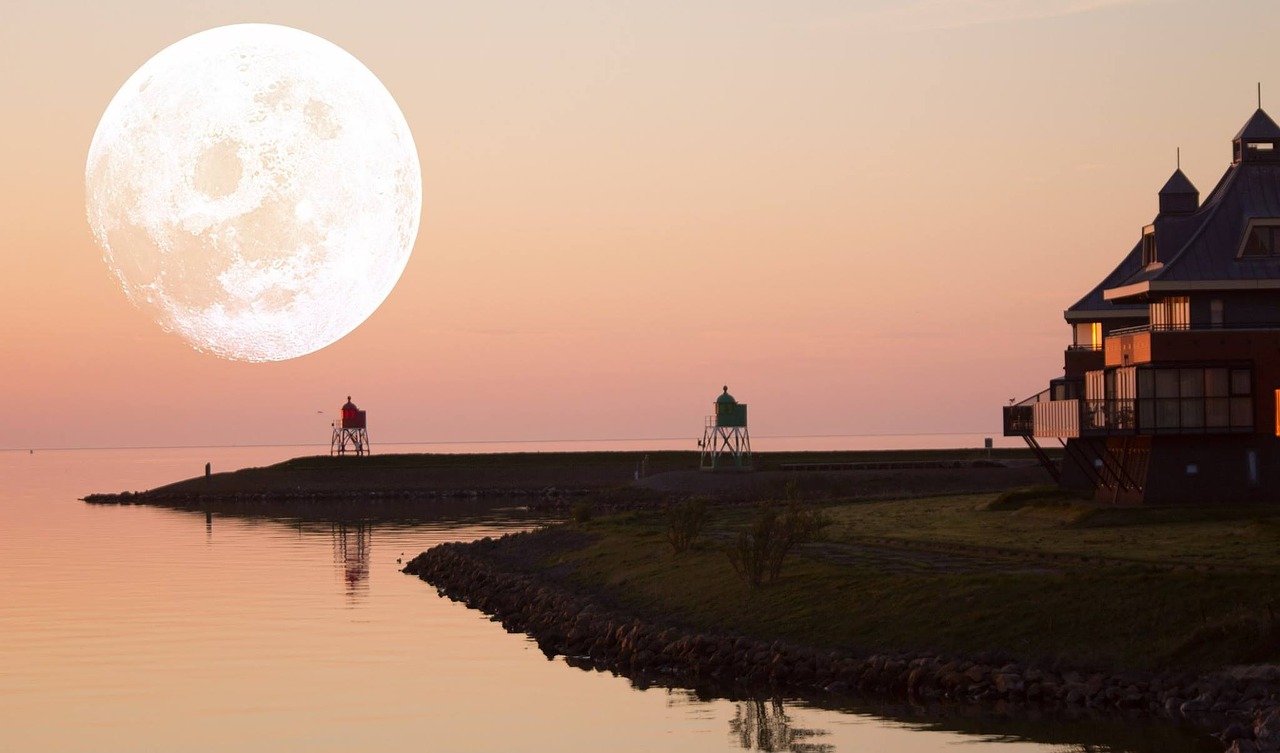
[(862, 217)]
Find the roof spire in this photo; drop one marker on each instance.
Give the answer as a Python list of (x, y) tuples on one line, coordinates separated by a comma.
[(1179, 194), (1259, 95)]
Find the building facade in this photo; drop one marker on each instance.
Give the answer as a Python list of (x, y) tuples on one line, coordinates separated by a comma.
[(1170, 385)]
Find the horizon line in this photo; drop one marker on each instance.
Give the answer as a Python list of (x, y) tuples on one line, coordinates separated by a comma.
[(690, 438)]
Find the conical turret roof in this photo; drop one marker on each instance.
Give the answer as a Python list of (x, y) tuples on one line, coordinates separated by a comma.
[(1178, 183), (1260, 126)]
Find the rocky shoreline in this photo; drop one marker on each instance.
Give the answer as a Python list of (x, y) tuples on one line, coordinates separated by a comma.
[(1244, 703)]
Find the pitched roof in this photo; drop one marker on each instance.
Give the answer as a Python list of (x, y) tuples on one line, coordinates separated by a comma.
[(1260, 126), (1092, 304), (1171, 230), (1178, 183), (1201, 248)]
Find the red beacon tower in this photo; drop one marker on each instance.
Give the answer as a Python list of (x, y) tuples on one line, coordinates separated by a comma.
[(350, 432)]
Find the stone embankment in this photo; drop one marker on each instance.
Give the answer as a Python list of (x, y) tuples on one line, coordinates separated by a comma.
[(572, 624)]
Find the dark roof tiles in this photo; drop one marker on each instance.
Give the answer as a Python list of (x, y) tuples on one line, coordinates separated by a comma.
[(1249, 191), (1260, 126), (1093, 300), (1178, 183)]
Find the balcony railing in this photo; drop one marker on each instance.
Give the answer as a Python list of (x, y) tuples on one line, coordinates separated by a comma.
[(1201, 327), (1019, 418), (1074, 418), (1108, 416), (1056, 418)]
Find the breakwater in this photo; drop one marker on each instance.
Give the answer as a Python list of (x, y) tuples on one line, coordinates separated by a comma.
[(1244, 704), (177, 499)]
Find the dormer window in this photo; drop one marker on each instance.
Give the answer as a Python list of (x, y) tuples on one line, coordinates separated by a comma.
[(1148, 245), (1261, 238)]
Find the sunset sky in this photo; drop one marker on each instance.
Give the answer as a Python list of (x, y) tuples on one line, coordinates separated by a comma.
[(863, 217)]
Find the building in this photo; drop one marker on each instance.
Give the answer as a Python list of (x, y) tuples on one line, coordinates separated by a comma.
[(1170, 384)]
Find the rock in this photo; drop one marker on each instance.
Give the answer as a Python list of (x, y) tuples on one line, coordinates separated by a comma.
[(1008, 682), (1235, 731), (564, 622), (1266, 730), (1198, 705)]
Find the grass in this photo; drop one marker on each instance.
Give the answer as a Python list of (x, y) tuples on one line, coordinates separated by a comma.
[(659, 460), (1232, 538), (1127, 589)]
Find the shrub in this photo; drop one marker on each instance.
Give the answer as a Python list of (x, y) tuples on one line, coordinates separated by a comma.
[(1015, 499), (757, 554), (581, 511), (685, 521)]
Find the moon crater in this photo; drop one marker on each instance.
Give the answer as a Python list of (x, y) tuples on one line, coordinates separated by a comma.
[(256, 189)]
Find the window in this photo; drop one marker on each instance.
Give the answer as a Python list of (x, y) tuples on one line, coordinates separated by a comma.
[(1241, 382), (1193, 400), (1215, 312), (1171, 313), (1088, 336), (1148, 245), (1262, 238)]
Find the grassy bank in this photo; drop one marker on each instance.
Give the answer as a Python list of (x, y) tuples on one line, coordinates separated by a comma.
[(1049, 582), (533, 471)]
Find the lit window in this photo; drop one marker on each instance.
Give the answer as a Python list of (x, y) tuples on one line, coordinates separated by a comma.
[(1088, 336), (1173, 312)]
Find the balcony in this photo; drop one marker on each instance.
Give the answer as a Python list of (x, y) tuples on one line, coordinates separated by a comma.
[(1108, 417), (1056, 418), (1066, 419), (1081, 358), (1019, 418), (1185, 343)]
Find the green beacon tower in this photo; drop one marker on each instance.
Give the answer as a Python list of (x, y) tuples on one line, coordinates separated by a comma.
[(726, 445)]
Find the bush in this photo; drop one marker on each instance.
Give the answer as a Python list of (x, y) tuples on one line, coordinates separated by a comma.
[(581, 511), (757, 553), (685, 521), (1015, 499)]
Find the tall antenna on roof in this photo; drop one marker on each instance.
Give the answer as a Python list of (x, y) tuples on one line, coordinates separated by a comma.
[(1179, 158)]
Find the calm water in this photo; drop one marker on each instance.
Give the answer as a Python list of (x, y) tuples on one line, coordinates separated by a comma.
[(138, 629)]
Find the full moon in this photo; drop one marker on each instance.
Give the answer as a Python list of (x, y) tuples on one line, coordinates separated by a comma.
[(255, 189)]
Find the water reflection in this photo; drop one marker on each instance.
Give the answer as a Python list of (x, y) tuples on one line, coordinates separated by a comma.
[(764, 725), (785, 724), (351, 544), (767, 724)]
